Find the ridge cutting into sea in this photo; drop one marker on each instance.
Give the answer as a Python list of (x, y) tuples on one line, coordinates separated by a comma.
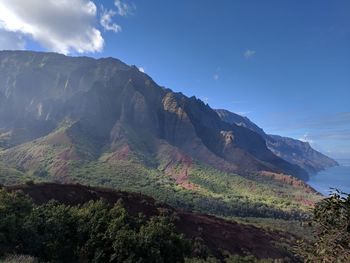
[(337, 177)]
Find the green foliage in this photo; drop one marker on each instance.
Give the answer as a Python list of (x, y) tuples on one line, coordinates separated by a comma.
[(14, 207), (94, 232), (102, 228), (114, 236), (332, 231), (298, 228), (219, 193), (10, 175), (253, 189), (50, 232), (151, 243)]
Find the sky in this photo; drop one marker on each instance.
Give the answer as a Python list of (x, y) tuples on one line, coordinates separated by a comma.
[(283, 64)]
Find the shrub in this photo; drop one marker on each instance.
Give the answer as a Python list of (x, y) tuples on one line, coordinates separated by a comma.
[(50, 232), (14, 208), (94, 232), (332, 231)]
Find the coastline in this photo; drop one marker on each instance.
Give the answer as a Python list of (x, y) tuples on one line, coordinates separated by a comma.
[(336, 177)]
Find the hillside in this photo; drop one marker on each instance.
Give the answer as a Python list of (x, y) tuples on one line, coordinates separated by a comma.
[(104, 123), (294, 151), (217, 234)]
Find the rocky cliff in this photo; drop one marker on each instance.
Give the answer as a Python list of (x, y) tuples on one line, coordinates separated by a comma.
[(291, 150), (80, 109)]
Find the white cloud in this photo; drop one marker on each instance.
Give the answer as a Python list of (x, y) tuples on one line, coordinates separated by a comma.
[(249, 53), (243, 113), (141, 69), (123, 8), (306, 138), (216, 76), (62, 26), (11, 41), (106, 21), (205, 100)]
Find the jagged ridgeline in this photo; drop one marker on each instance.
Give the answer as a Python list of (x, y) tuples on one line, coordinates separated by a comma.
[(291, 150), (102, 122)]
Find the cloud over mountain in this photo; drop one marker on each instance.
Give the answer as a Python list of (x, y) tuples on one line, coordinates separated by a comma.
[(11, 41), (63, 26), (106, 21)]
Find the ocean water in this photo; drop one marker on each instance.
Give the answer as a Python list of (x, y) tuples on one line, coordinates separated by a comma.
[(336, 177)]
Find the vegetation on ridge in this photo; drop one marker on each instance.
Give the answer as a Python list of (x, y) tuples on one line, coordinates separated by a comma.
[(96, 232), (99, 232), (57, 157)]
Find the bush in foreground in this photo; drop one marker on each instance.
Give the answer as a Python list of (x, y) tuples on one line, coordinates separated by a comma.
[(94, 232), (332, 231)]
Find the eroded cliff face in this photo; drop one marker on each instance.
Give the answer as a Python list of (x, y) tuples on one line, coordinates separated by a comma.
[(300, 153), (293, 151), (105, 106)]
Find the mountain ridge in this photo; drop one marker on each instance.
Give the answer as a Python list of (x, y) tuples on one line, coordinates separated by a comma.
[(114, 101), (292, 150)]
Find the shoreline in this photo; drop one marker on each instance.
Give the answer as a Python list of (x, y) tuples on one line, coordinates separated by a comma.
[(336, 177)]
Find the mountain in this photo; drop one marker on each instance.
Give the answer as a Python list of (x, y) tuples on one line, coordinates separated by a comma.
[(116, 107), (239, 120), (104, 123), (292, 150)]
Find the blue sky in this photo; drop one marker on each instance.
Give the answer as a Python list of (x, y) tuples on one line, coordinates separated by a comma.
[(284, 64)]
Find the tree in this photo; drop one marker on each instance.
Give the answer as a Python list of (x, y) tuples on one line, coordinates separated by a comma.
[(93, 232), (159, 242), (332, 231), (14, 207), (50, 232)]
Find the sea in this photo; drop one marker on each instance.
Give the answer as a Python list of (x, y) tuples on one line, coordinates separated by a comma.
[(337, 177)]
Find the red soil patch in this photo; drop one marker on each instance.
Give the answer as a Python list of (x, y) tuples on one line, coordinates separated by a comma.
[(178, 164), (306, 202), (69, 154), (178, 169), (288, 179), (61, 171), (122, 154)]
